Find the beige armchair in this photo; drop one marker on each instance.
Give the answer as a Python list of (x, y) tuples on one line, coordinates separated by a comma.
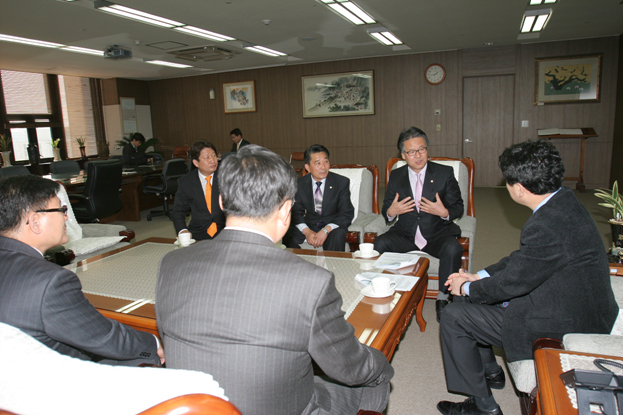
[(464, 173)]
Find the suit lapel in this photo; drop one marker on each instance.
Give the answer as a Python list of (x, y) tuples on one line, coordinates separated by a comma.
[(405, 183), (306, 192), (328, 192), (429, 179)]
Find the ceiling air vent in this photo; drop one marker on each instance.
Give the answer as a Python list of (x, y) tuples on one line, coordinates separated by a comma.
[(203, 53)]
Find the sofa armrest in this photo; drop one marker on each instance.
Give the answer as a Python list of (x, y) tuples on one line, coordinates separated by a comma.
[(91, 230)]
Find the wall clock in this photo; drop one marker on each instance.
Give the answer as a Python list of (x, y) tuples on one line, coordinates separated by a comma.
[(435, 74)]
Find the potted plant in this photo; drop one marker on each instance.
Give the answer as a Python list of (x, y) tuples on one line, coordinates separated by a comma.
[(5, 148), (80, 140), (56, 150), (613, 200)]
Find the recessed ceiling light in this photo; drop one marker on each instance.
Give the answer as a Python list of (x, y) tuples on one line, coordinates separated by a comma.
[(384, 36), (83, 50), (262, 50), (488, 43), (134, 14), (350, 11), (165, 63), (32, 42), (195, 31), (535, 20)]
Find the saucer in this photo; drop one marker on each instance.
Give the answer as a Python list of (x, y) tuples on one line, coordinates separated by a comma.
[(369, 292), (357, 254), (177, 242)]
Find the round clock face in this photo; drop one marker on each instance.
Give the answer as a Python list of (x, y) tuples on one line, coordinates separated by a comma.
[(435, 74)]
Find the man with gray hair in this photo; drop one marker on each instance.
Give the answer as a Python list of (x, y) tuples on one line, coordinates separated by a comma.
[(255, 316)]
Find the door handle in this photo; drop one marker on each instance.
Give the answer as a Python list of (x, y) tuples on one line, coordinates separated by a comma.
[(467, 140)]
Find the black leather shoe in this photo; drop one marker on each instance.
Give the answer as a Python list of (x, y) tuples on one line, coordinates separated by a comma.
[(465, 408), (439, 306), (496, 380)]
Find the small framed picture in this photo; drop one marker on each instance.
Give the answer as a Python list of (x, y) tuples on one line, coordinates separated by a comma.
[(568, 79), (239, 96)]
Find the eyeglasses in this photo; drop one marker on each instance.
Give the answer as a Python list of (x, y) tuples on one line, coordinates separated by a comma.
[(62, 209), (412, 153)]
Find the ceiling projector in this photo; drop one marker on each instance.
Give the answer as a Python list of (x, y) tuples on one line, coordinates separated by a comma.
[(117, 52)]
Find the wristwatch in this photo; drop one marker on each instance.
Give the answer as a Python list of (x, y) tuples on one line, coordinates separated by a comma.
[(325, 231)]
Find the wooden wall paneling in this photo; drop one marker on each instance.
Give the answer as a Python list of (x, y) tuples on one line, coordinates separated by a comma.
[(250, 123), (496, 60), (282, 109), (109, 92), (139, 90), (616, 172)]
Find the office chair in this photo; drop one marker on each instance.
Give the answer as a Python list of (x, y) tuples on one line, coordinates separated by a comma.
[(14, 171), (102, 191), (156, 157), (65, 167), (181, 152), (173, 170), (120, 158)]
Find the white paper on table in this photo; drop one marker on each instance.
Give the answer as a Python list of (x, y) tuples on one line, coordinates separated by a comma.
[(403, 282), (392, 260)]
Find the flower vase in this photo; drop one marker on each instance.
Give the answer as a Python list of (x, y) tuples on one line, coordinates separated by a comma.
[(83, 153), (57, 154), (6, 156)]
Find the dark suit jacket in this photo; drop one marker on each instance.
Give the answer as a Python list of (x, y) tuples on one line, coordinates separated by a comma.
[(133, 156), (558, 281), (46, 302), (336, 205), (254, 316), (243, 143), (190, 195), (439, 179)]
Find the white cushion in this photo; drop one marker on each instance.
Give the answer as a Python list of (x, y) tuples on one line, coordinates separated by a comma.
[(37, 380), (594, 343), (523, 374), (354, 175), (88, 245)]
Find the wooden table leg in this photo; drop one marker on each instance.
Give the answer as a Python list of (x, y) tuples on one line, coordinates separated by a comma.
[(420, 306)]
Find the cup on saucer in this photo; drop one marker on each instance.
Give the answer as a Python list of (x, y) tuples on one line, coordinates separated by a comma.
[(184, 238), (383, 286), (366, 250)]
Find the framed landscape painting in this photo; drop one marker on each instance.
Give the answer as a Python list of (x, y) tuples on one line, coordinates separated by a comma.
[(568, 79), (239, 96), (339, 94)]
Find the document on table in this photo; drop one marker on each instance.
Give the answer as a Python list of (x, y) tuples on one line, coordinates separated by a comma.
[(560, 131), (403, 282), (392, 260)]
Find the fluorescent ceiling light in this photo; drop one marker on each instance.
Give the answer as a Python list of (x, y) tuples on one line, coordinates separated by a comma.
[(165, 63), (134, 14), (32, 42), (350, 11), (262, 50), (537, 2), (195, 31), (384, 36), (83, 50), (535, 20)]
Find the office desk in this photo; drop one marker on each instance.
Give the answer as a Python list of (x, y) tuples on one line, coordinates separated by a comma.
[(377, 322), (132, 196)]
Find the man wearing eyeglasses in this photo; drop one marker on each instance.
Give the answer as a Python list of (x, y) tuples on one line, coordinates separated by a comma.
[(425, 198), (45, 300)]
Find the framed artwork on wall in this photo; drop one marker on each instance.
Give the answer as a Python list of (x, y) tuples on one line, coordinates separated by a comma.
[(239, 96), (340, 94), (568, 79)]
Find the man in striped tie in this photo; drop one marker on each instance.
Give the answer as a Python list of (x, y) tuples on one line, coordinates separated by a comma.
[(198, 192), (323, 210)]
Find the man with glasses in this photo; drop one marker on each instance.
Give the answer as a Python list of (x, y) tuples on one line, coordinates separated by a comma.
[(425, 198), (198, 192), (45, 300)]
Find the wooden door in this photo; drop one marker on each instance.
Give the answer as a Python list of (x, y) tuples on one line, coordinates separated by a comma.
[(488, 108)]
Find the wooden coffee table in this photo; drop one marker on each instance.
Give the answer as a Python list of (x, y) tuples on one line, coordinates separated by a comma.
[(378, 322)]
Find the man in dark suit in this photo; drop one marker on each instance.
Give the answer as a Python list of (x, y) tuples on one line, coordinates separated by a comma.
[(424, 224), (255, 316), (236, 137), (558, 282), (45, 300), (192, 193), (133, 154), (323, 210)]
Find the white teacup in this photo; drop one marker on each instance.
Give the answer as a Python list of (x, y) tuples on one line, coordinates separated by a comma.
[(184, 238), (366, 249), (383, 286)]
